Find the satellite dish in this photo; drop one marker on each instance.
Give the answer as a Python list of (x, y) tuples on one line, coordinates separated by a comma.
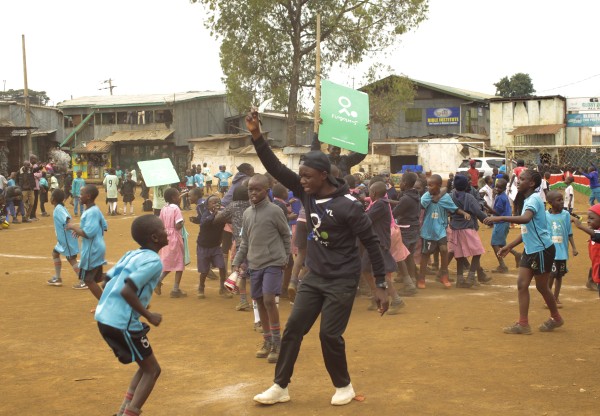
[(264, 105)]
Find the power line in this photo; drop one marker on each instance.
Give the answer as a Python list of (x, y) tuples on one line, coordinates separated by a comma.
[(572, 83)]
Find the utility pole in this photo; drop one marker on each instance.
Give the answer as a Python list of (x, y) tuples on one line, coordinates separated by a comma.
[(110, 86), (29, 148)]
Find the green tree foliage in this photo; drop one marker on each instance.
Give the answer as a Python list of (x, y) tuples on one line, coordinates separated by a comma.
[(35, 97), (268, 46), (387, 96), (519, 85)]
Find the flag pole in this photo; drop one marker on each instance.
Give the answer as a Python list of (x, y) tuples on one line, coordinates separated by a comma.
[(317, 111)]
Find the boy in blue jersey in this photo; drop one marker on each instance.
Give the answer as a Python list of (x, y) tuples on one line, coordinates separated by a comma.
[(433, 231), (78, 184), (66, 243), (124, 300), (92, 228), (559, 223), (501, 207), (539, 254), (199, 179), (223, 177)]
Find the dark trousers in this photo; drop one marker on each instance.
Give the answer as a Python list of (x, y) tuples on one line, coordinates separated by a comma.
[(333, 299), (36, 197)]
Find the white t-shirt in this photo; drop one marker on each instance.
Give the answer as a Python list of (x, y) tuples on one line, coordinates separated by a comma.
[(569, 197), (488, 195), (111, 182), (543, 187)]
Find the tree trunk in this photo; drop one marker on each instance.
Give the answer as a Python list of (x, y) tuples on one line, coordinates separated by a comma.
[(292, 113)]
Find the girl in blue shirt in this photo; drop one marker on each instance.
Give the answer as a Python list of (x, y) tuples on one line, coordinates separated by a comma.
[(538, 257)]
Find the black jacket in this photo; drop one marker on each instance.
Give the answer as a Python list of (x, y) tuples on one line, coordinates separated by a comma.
[(333, 224), (343, 163)]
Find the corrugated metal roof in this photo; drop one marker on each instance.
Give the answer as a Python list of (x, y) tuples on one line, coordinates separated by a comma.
[(137, 100), (96, 146), (543, 129), (459, 92), (43, 132), (217, 137), (138, 135)]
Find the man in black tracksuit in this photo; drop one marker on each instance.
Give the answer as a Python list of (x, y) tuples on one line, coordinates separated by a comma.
[(335, 220), (343, 163)]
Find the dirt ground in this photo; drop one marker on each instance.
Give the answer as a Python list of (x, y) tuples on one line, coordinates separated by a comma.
[(445, 354)]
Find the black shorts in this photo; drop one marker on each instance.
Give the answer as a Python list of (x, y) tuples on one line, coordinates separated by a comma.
[(559, 268), (68, 257), (539, 262), (223, 189), (430, 247), (94, 274), (128, 346), (301, 235)]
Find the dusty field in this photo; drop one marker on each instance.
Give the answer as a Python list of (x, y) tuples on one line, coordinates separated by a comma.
[(445, 354)]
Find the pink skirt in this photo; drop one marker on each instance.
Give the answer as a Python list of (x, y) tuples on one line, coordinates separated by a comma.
[(465, 243)]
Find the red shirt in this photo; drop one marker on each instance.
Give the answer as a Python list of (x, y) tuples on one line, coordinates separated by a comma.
[(474, 173), (594, 251)]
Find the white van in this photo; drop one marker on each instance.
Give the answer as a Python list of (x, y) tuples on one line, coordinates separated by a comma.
[(482, 164)]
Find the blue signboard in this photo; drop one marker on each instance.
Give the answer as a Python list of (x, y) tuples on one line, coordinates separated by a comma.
[(445, 116), (583, 120)]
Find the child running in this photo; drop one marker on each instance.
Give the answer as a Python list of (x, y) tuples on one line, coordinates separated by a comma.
[(66, 243), (500, 232), (93, 249), (125, 300), (128, 193), (433, 232), (569, 198), (265, 243), (172, 255), (559, 222), (539, 254)]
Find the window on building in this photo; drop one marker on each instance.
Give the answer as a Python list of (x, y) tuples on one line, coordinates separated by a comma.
[(413, 115), (163, 116), (108, 118), (535, 139), (596, 140)]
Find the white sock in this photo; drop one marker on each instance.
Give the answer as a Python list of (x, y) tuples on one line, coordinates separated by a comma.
[(255, 309)]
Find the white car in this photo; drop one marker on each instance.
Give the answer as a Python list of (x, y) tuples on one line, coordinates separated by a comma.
[(482, 164)]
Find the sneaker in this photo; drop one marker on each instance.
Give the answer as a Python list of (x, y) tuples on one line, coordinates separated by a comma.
[(421, 283), (258, 327), (16, 222), (444, 280), (26, 220), (343, 395), (242, 306), (408, 291), (177, 293), (500, 269), (274, 354), (551, 324), (483, 278), (591, 285), (395, 307), (264, 351), (45, 214), (80, 285), (225, 294), (201, 294), (292, 289), (158, 289), (518, 329), (275, 394), (54, 281)]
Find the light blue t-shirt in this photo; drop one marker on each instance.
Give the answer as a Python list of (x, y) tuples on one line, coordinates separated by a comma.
[(223, 178), (189, 180), (78, 183), (93, 248), (143, 267), (536, 236), (199, 180), (66, 244), (435, 219), (560, 229)]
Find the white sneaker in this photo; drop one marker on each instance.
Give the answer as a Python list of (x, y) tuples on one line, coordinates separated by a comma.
[(343, 395), (274, 394)]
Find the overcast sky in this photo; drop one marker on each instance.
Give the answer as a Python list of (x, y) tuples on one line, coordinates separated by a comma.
[(161, 46)]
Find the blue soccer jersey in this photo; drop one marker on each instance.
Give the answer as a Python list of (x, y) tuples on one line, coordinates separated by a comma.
[(66, 244), (536, 236), (560, 229), (502, 205), (143, 268), (93, 248), (435, 219), (223, 178)]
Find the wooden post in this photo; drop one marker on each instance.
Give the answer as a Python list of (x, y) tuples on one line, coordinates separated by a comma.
[(29, 147), (317, 113)]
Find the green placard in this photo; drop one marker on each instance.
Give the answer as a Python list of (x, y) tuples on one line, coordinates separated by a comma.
[(345, 114), (158, 172)]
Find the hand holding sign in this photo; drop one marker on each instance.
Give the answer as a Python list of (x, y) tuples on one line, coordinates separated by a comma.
[(345, 114)]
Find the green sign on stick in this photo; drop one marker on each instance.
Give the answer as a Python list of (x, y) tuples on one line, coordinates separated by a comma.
[(345, 114), (158, 172)]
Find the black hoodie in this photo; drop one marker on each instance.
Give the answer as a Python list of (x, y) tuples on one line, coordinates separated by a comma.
[(333, 223)]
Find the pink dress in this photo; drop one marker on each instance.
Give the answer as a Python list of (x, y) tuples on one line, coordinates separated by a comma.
[(171, 255)]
